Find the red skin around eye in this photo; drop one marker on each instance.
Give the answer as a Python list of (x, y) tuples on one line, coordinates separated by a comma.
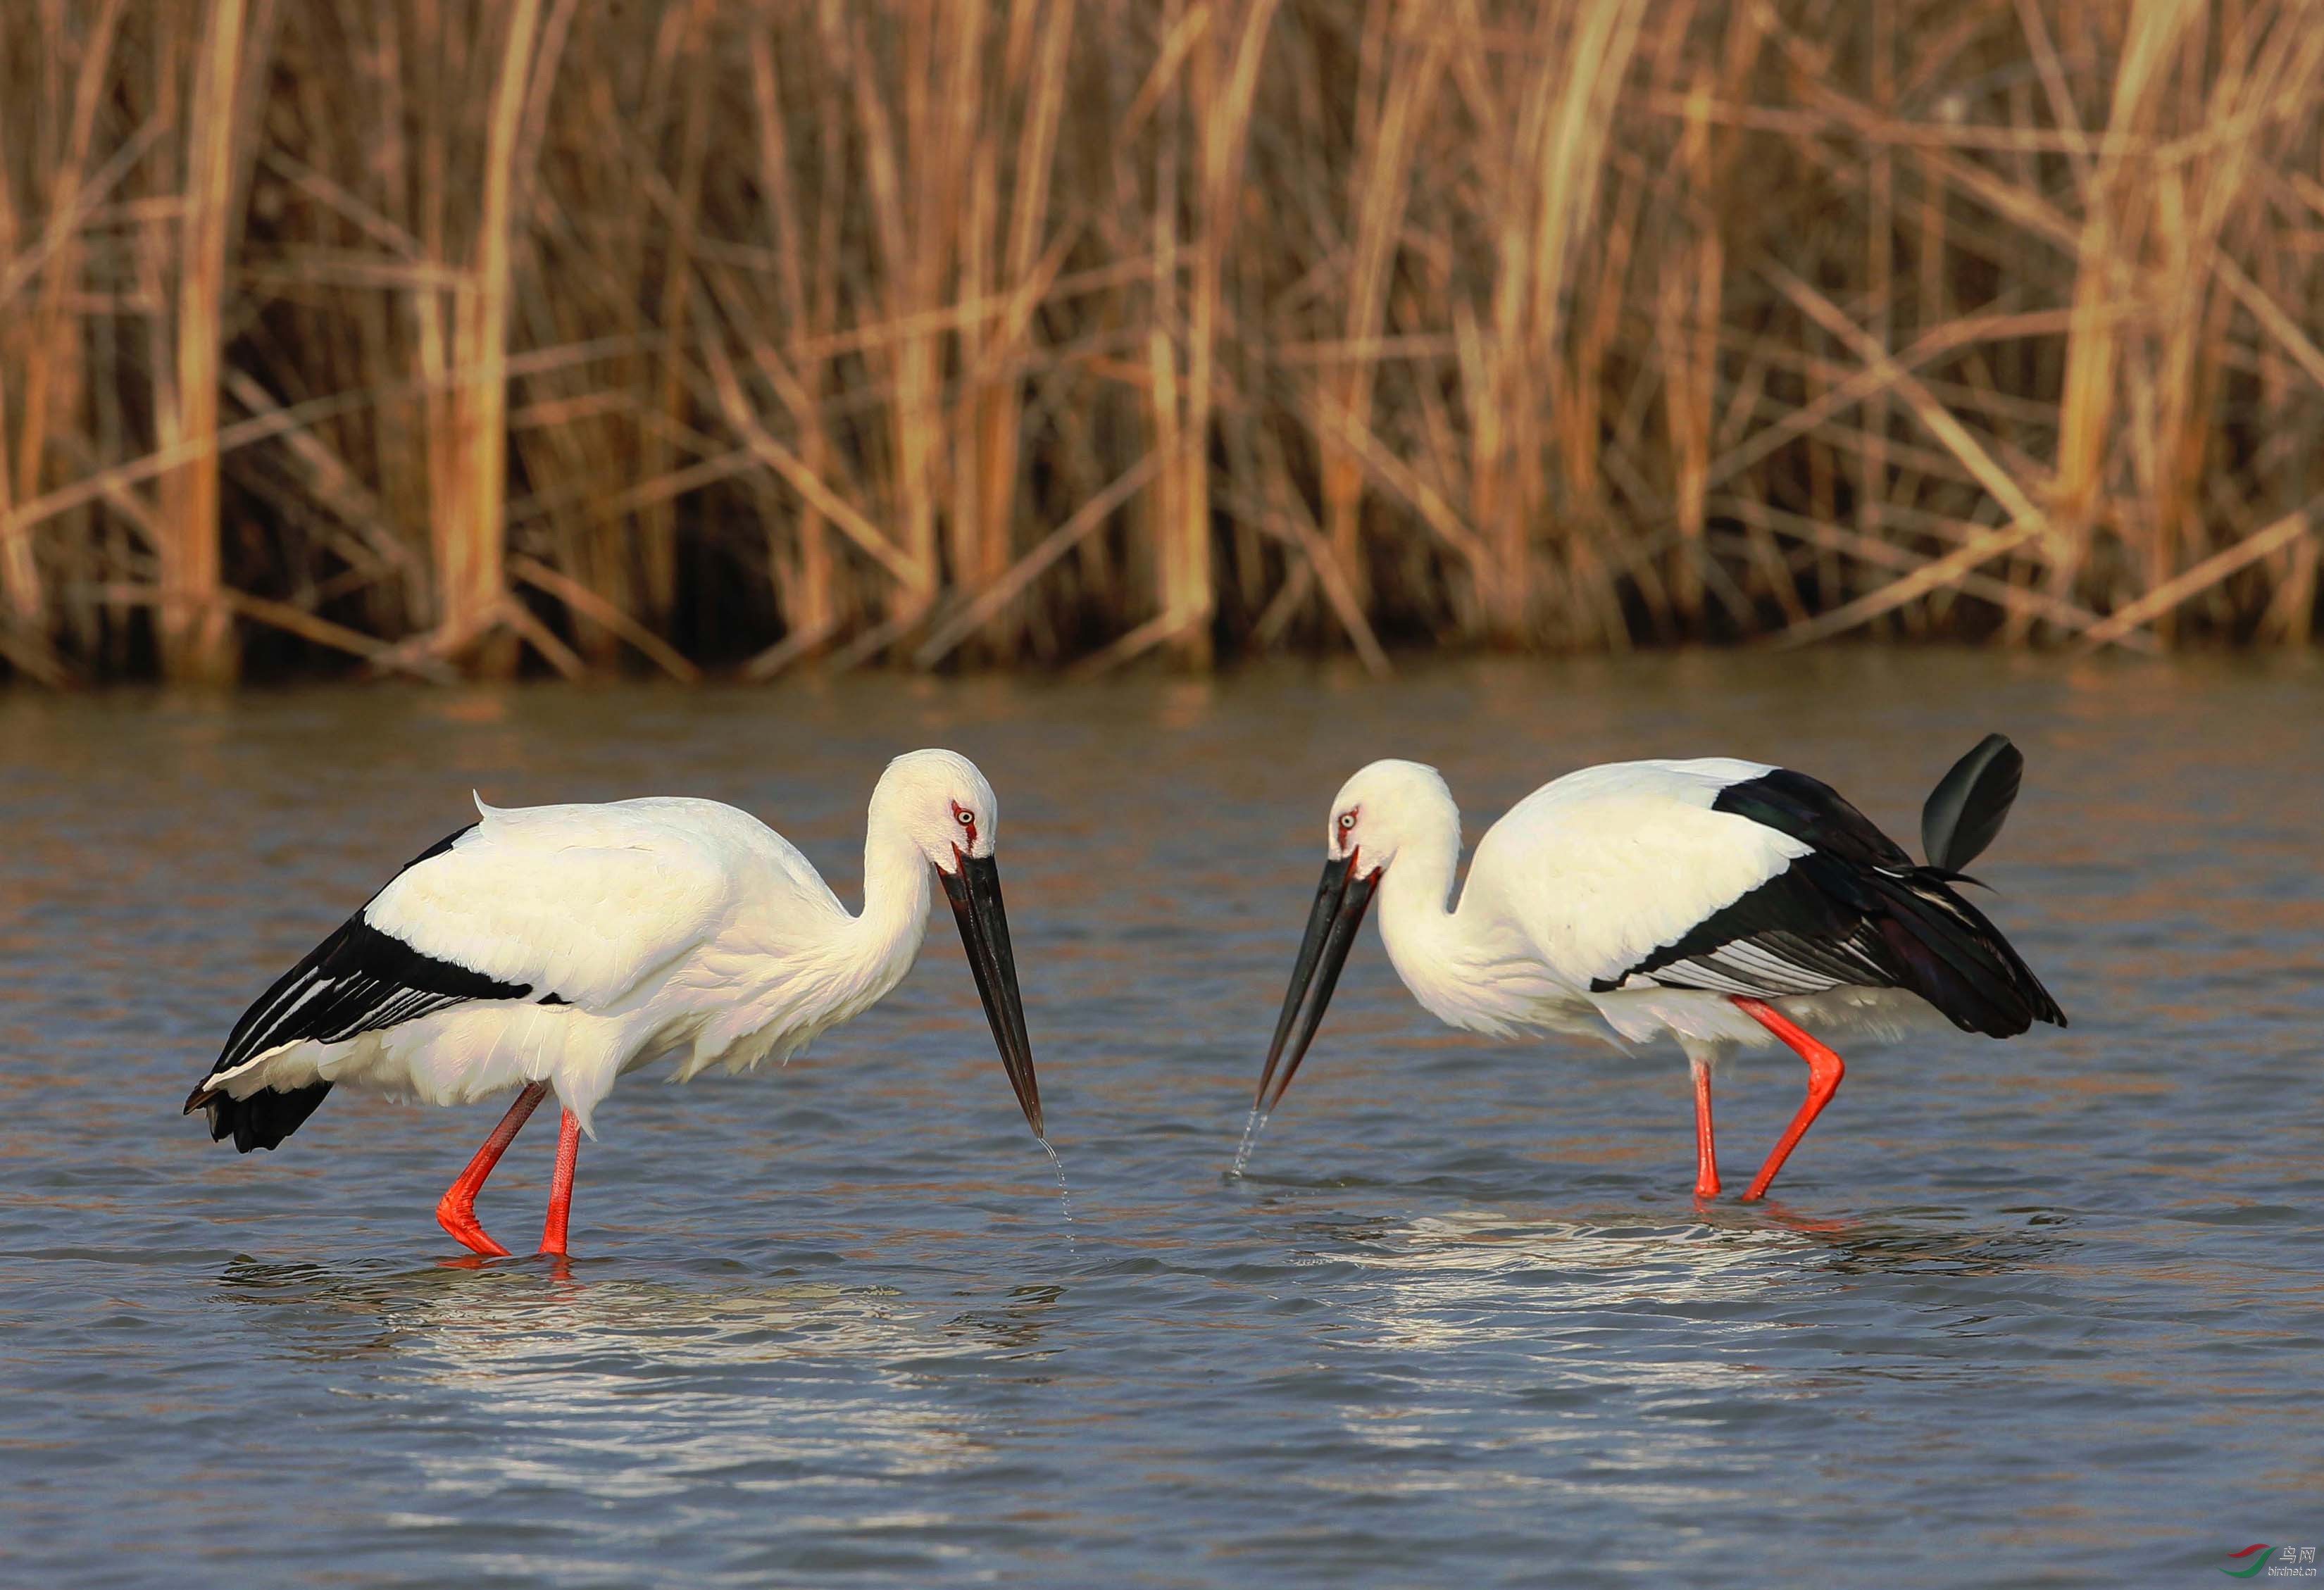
[(968, 827)]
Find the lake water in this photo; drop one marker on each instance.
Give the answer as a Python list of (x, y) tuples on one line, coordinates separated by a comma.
[(2042, 1312)]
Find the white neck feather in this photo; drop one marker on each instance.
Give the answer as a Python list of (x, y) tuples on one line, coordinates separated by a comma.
[(1458, 963), (887, 935), (1422, 932), (798, 978)]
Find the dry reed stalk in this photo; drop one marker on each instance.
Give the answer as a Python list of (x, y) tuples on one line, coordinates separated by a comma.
[(50, 359), (2118, 205), (795, 473), (1397, 81), (1168, 503), (1872, 549), (912, 261), (1289, 517), (471, 552), (684, 37), (1544, 188), (1034, 60), (1090, 516), (1687, 342), (1222, 82), (596, 608), (337, 638), (197, 639), (1873, 485), (2125, 620), (1312, 324)]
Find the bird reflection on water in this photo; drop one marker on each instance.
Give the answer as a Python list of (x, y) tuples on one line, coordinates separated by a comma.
[(616, 1384), (527, 1314), (1446, 1280)]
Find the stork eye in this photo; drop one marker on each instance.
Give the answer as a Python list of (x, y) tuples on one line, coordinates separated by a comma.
[(967, 819), (1347, 821)]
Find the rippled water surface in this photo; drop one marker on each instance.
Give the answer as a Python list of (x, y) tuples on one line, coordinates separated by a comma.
[(2049, 1312)]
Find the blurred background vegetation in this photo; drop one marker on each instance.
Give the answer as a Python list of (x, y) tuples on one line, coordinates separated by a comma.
[(458, 337)]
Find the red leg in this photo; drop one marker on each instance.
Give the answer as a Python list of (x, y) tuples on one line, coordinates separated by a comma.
[(1824, 1072), (455, 1211), (560, 1184), (1706, 1152)]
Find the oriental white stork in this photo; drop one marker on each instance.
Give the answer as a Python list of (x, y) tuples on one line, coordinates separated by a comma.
[(556, 948), (1722, 904)]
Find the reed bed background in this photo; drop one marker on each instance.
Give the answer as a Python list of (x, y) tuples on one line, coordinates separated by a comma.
[(438, 336)]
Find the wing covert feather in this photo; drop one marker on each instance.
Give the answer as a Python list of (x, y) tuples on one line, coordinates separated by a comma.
[(1604, 866), (579, 901)]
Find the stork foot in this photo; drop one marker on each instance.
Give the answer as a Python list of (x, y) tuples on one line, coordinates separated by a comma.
[(458, 1217), (455, 1211), (1824, 1071)]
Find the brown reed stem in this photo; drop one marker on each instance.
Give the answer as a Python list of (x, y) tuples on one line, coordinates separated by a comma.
[(746, 334)]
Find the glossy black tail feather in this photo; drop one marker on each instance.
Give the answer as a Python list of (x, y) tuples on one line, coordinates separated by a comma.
[(1966, 810), (263, 1119)]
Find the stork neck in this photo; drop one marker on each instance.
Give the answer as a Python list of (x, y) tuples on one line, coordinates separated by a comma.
[(895, 889), (1416, 920)]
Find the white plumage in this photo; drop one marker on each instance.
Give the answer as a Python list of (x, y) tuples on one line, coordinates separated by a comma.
[(556, 948), (1719, 902), (665, 927)]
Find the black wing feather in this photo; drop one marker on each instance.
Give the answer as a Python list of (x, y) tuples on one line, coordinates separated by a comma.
[(1786, 936), (357, 980), (1814, 813), (1854, 912)]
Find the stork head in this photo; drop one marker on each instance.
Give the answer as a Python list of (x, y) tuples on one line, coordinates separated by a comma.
[(943, 806), (1382, 810)]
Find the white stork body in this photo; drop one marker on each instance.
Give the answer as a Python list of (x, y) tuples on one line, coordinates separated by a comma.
[(1718, 902), (556, 948), (661, 928), (1580, 882)]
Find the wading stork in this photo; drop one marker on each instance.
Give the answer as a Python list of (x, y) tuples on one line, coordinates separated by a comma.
[(555, 948), (1722, 904)]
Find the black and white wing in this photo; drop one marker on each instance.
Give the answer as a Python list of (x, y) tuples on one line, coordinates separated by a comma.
[(549, 904), (1851, 909), (357, 980), (1739, 879)]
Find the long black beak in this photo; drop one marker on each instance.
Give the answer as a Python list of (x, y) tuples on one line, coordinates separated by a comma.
[(1340, 902), (976, 893)]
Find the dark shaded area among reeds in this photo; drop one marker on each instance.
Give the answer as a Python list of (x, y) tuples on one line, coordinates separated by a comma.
[(438, 335)]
